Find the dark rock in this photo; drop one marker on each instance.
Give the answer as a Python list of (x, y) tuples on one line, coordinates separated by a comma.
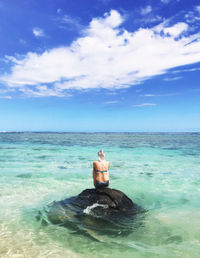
[(174, 239), (25, 175), (62, 167), (105, 210)]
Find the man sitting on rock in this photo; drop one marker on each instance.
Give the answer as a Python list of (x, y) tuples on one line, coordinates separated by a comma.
[(100, 171)]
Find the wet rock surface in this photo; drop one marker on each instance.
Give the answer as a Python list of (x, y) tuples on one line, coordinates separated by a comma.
[(104, 210)]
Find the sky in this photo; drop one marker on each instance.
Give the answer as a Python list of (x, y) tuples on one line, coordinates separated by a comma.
[(100, 65)]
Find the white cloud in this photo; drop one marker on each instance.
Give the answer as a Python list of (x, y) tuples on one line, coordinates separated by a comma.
[(159, 95), (69, 22), (11, 59), (149, 95), (173, 78), (198, 8), (106, 56), (165, 1), (43, 90), (5, 97), (111, 102), (151, 19), (186, 70), (105, 1), (177, 29), (22, 41), (146, 10), (145, 105), (38, 32), (192, 17)]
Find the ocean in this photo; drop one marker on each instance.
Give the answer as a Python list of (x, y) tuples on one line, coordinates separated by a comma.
[(158, 171)]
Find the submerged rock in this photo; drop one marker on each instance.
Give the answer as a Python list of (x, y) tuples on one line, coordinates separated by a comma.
[(102, 210), (25, 175)]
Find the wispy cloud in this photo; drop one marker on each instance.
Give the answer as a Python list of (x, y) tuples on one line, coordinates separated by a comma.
[(111, 93), (111, 102), (145, 105), (165, 1), (192, 16), (69, 22), (173, 78), (177, 29), (105, 1), (106, 56), (38, 32), (198, 8), (43, 90), (5, 97), (22, 42), (186, 70), (152, 19), (149, 95), (160, 95), (146, 10), (11, 59)]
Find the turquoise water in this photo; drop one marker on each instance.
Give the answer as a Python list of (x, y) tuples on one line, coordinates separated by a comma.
[(160, 172)]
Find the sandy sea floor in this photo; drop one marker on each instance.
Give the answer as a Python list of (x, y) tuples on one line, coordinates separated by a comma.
[(160, 172)]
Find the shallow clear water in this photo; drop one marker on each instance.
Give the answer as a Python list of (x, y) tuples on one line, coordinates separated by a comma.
[(160, 172)]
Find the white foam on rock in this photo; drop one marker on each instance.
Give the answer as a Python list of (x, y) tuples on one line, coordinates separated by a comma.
[(90, 208)]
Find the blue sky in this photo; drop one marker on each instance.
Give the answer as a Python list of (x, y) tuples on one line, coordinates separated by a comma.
[(103, 65)]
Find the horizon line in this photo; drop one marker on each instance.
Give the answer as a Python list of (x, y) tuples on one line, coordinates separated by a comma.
[(147, 132)]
